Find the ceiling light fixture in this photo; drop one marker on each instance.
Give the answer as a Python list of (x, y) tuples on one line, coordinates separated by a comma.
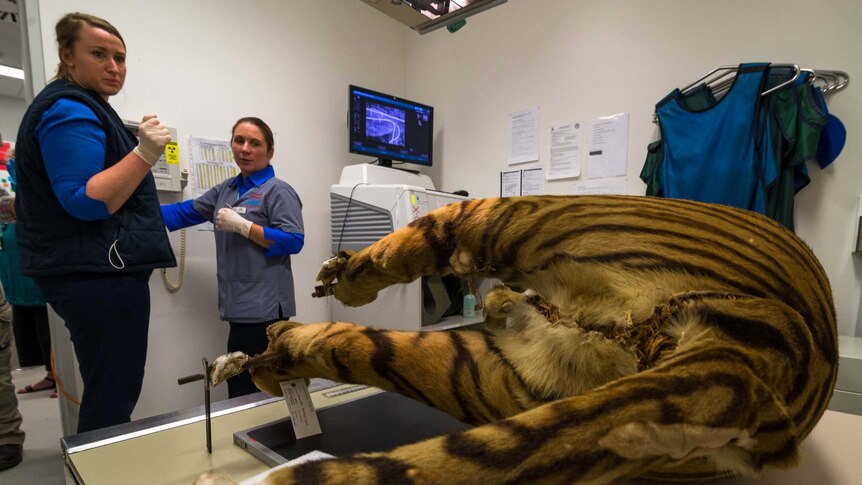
[(11, 72), (423, 16)]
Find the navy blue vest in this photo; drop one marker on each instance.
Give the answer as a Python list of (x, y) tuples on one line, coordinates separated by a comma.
[(51, 240)]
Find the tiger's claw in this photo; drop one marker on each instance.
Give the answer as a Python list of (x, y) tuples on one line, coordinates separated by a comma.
[(329, 272), (226, 366), (332, 267), (321, 291)]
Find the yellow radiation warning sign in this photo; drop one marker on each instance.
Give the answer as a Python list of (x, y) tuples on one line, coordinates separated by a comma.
[(172, 153)]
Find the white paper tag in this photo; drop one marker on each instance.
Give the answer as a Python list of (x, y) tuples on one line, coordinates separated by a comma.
[(302, 413), (239, 210)]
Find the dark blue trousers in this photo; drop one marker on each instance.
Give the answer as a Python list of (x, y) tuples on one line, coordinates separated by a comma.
[(251, 339), (108, 317)]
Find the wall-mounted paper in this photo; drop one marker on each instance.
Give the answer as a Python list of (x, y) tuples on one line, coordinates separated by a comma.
[(524, 136), (532, 182), (615, 186), (212, 163), (608, 146), (564, 157), (510, 183)]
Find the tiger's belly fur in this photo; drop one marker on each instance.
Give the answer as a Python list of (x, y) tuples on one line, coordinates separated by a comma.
[(631, 336)]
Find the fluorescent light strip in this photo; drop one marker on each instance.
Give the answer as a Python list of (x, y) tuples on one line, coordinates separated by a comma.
[(11, 72)]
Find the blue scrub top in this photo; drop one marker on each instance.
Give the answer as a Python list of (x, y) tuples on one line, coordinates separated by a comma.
[(252, 283)]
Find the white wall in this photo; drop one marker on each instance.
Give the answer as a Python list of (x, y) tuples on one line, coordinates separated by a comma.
[(11, 112), (201, 64), (582, 59)]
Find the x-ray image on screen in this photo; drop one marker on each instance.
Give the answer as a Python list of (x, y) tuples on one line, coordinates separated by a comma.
[(390, 128), (384, 123)]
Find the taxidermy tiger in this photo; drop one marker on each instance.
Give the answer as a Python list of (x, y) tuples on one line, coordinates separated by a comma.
[(630, 337)]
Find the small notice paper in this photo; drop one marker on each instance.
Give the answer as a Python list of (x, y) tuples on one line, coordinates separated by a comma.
[(510, 183), (524, 136), (302, 413)]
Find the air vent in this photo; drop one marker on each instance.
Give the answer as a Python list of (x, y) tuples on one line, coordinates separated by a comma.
[(356, 225)]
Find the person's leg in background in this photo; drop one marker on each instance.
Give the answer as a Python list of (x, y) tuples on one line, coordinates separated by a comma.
[(11, 435), (39, 316), (26, 342), (108, 320), (30, 324), (249, 338)]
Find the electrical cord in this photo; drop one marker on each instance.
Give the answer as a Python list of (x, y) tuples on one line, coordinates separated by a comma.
[(347, 213), (174, 286), (61, 391)]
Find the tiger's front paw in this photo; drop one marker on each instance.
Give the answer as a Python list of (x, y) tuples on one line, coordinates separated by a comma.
[(462, 262), (226, 366), (214, 478), (329, 272), (500, 302), (332, 267)]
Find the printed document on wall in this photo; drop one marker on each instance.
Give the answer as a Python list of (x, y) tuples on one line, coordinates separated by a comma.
[(532, 181), (608, 147), (212, 163), (524, 136), (510, 183), (564, 160), (614, 186)]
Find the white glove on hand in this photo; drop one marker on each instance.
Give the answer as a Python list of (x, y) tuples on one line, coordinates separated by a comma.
[(227, 220), (153, 138)]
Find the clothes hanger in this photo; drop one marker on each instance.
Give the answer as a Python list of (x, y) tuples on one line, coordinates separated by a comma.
[(722, 88), (839, 80), (827, 80), (723, 72), (717, 82), (797, 71)]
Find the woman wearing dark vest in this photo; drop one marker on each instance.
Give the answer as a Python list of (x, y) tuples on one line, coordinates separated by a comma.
[(89, 227)]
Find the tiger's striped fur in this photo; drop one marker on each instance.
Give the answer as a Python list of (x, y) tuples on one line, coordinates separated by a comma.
[(632, 336)]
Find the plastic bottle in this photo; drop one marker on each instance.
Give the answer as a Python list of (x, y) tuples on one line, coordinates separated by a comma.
[(469, 306)]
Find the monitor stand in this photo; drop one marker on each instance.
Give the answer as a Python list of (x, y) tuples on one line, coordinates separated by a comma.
[(385, 162)]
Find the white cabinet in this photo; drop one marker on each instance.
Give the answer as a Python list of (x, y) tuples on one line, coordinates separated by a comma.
[(847, 397), (370, 202)]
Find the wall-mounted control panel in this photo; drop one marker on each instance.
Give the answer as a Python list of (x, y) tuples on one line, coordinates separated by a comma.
[(167, 170)]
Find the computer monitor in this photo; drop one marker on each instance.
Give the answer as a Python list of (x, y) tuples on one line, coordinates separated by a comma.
[(390, 128)]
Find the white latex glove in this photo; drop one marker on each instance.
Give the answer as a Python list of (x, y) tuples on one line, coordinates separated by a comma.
[(153, 138), (227, 220)]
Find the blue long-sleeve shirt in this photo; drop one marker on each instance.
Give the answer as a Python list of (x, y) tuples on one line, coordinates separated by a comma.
[(184, 214), (73, 141)]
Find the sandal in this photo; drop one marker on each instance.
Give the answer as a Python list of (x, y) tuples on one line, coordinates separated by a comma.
[(32, 388)]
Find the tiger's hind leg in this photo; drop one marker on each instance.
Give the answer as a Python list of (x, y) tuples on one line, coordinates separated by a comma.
[(459, 372), (734, 397), (702, 413)]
